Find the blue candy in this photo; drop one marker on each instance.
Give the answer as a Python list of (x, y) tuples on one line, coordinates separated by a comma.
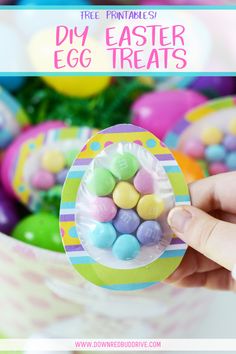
[(103, 236), (231, 161), (126, 247), (215, 153)]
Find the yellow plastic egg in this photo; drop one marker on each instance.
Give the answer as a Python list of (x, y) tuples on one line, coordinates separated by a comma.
[(78, 86), (211, 136), (125, 195), (150, 207), (232, 126), (53, 161)]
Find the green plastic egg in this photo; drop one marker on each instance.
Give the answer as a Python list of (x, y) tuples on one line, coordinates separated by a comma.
[(40, 230)]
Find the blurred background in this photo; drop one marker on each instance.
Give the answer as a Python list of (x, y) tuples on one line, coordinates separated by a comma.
[(41, 295)]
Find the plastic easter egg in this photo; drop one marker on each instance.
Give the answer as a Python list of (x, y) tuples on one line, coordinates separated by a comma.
[(53, 2), (159, 111), (78, 86), (12, 153), (12, 83), (190, 167), (8, 213), (12, 119), (214, 86), (134, 256), (41, 230)]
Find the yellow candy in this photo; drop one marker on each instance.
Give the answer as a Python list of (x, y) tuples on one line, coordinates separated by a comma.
[(211, 136), (232, 126), (125, 195), (53, 161), (150, 207)]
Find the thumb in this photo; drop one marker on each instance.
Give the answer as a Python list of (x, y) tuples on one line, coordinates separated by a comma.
[(213, 238)]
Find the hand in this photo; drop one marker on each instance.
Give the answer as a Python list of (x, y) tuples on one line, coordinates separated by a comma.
[(209, 228)]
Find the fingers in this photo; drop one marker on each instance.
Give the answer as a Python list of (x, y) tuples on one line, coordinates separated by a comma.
[(215, 193), (213, 238), (193, 262), (219, 279)]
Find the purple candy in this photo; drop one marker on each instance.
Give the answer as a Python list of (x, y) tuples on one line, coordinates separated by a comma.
[(61, 176), (230, 142), (8, 213), (149, 233), (126, 221)]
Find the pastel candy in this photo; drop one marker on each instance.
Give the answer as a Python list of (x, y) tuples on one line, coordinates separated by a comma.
[(101, 182), (61, 176), (230, 142), (126, 247), (194, 148), (126, 221), (149, 233), (144, 182), (231, 161), (211, 136), (43, 180), (53, 161), (215, 153), (150, 207), (124, 166), (217, 167), (232, 126), (125, 195), (103, 209), (103, 235)]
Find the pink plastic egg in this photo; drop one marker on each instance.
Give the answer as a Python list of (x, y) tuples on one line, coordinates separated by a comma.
[(158, 112)]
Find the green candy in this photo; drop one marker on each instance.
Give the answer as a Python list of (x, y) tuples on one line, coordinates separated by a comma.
[(124, 166), (41, 230), (70, 157), (101, 182)]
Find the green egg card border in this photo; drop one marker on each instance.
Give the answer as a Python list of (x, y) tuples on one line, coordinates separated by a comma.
[(98, 274), (198, 113)]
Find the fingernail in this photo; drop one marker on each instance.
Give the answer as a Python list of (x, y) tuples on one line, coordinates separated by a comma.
[(178, 219)]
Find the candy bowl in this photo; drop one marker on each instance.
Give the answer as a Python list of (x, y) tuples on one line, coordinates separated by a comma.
[(208, 134), (118, 223), (42, 166)]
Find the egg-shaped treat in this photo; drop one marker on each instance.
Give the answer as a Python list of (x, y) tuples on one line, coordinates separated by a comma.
[(114, 216)]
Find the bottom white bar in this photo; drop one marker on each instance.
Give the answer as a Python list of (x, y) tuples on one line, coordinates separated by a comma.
[(68, 345)]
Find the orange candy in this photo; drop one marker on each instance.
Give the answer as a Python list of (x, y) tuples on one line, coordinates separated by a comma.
[(191, 169)]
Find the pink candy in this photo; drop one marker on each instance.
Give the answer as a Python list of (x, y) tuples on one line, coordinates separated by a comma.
[(143, 182), (43, 180), (217, 167), (104, 209), (194, 148)]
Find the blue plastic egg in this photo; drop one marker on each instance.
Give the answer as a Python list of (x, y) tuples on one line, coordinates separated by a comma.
[(231, 161), (214, 153), (103, 236), (126, 247), (12, 83)]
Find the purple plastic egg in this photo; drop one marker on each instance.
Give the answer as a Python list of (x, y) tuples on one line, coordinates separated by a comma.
[(149, 233), (8, 213), (158, 112), (126, 221), (214, 86)]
